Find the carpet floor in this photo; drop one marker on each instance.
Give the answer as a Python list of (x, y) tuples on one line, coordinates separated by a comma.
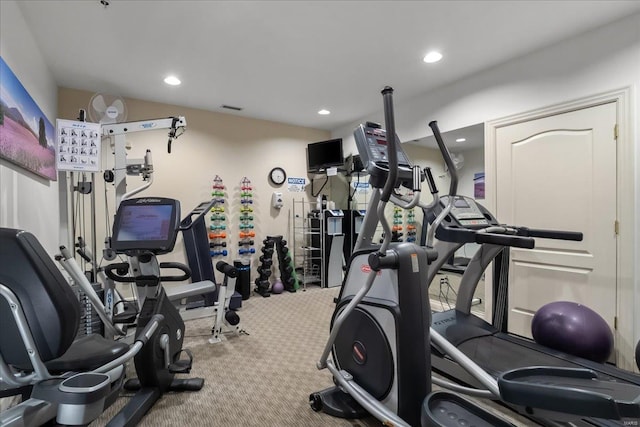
[(263, 377)]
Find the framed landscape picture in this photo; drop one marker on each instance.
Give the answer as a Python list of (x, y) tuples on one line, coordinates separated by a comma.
[(27, 137)]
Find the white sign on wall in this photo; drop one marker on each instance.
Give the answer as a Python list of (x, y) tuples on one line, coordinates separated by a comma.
[(360, 187), (296, 185), (77, 146)]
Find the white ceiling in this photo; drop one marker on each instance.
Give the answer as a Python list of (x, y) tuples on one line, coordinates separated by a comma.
[(285, 60), (473, 139)]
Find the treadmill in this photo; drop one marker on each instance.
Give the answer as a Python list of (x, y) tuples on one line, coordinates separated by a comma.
[(489, 345)]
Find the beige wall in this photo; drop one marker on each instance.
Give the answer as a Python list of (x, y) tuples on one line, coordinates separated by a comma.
[(214, 144)]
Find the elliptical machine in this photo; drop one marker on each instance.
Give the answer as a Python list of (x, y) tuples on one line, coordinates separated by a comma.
[(379, 339)]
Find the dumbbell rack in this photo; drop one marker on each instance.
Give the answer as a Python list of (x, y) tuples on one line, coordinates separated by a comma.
[(398, 222), (217, 233), (264, 269), (285, 265), (246, 226), (412, 230)]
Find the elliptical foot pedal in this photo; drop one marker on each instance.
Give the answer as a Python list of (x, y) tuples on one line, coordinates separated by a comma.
[(443, 409), (335, 402), (182, 366), (574, 391), (127, 316)]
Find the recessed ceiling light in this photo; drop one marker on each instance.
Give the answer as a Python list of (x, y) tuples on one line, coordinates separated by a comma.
[(461, 139), (172, 80), (324, 112), (432, 57)]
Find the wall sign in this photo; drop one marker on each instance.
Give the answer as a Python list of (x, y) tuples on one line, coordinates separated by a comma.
[(296, 185), (77, 146), (360, 187)]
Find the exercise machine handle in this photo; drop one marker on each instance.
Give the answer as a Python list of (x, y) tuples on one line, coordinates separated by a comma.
[(121, 269), (453, 188), (117, 272), (387, 98), (501, 239), (550, 234), (150, 328), (177, 266), (199, 211), (227, 269), (430, 181)]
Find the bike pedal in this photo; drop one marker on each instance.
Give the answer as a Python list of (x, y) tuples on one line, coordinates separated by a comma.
[(180, 367)]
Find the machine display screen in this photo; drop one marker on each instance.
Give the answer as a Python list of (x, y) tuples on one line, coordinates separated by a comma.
[(144, 222), (460, 203)]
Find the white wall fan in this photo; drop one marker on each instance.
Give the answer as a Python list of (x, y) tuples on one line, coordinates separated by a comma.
[(107, 109), (458, 162)]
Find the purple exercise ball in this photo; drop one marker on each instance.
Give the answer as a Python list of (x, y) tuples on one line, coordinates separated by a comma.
[(277, 287), (574, 329)]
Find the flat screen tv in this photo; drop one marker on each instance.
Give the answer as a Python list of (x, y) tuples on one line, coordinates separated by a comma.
[(324, 154)]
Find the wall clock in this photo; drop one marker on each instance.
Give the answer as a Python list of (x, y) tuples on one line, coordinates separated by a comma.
[(277, 176)]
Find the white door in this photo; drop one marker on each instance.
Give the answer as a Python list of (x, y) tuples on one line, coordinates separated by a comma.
[(559, 172)]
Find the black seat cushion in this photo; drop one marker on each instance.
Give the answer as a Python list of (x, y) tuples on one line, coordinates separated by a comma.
[(87, 353)]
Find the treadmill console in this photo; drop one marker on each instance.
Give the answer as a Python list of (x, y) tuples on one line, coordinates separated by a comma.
[(374, 152), (466, 212)]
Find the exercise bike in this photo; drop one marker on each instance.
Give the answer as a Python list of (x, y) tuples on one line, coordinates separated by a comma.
[(118, 313), (143, 228), (381, 338)]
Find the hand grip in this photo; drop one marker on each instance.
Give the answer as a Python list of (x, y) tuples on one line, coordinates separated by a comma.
[(503, 240), (177, 266), (150, 328), (124, 266), (550, 234), (430, 181)]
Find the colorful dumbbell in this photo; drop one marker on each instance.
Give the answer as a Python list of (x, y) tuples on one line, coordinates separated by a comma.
[(217, 245), (245, 242), (217, 217), (217, 193), (245, 234), (217, 236), (217, 209), (215, 227), (244, 251), (246, 209), (246, 201), (246, 194), (219, 253), (245, 226)]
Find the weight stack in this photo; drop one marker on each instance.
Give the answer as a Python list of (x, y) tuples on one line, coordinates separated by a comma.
[(90, 322)]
